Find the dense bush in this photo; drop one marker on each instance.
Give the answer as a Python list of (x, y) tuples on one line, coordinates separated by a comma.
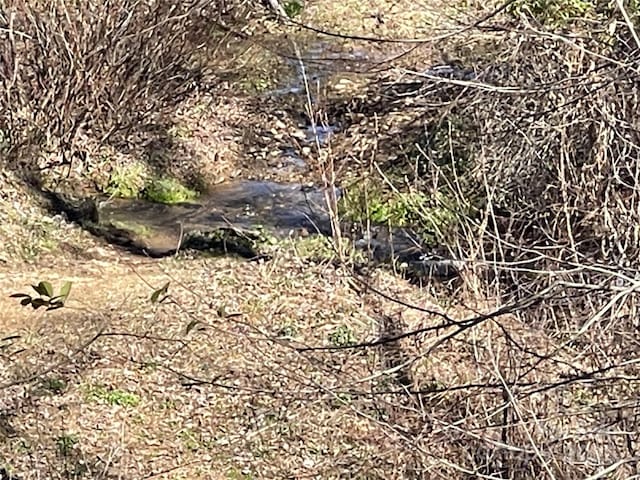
[(535, 126)]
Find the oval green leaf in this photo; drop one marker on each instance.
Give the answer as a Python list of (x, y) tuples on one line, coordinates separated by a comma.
[(64, 291), (44, 288)]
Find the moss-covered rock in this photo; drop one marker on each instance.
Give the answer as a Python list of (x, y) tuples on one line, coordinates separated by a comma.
[(169, 191)]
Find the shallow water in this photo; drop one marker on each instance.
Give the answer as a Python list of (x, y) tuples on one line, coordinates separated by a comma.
[(276, 208)]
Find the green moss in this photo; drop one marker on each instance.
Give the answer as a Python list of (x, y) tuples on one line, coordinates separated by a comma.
[(223, 241), (398, 210), (445, 151), (112, 396), (433, 215), (314, 247), (126, 182), (168, 190), (133, 181), (370, 203), (135, 228)]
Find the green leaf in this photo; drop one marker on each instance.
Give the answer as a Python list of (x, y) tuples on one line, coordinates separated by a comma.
[(155, 296), (44, 289), (38, 302), (19, 295), (64, 291), (192, 325)]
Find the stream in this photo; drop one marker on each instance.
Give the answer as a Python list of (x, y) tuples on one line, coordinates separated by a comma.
[(235, 217)]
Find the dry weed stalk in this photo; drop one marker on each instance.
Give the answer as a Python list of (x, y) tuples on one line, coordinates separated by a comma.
[(538, 134), (556, 160)]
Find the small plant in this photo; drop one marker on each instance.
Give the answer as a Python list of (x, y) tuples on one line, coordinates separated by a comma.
[(343, 336), (161, 294), (255, 85), (292, 8), (555, 13), (287, 331), (447, 145), (113, 396), (190, 439), (168, 190), (583, 397), (54, 385), (438, 218), (235, 474), (66, 444), (400, 210), (126, 182), (341, 400), (180, 131), (315, 247), (193, 440), (46, 296)]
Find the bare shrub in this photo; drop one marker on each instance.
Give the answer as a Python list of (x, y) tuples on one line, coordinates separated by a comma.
[(533, 134), (558, 160), (537, 133), (96, 68), (557, 165)]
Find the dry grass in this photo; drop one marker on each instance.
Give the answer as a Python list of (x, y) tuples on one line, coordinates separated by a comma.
[(133, 394), (232, 395), (534, 133)]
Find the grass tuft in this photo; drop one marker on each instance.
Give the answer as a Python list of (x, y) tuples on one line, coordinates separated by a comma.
[(112, 396)]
